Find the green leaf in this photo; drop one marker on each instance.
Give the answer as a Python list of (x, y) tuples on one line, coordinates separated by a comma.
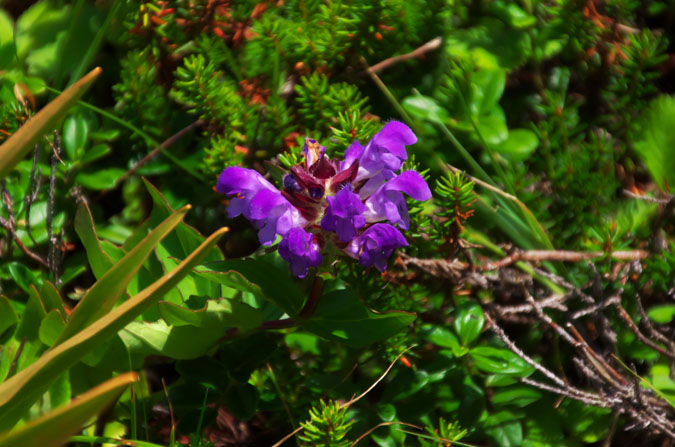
[(51, 299), (488, 87), (186, 333), (405, 384), (445, 338), (509, 434), (492, 127), (8, 317), (512, 14), (662, 314), (84, 227), (54, 428), (96, 152), (75, 135), (519, 145), (6, 40), (519, 396), (502, 361), (22, 276), (274, 284), (100, 179), (242, 400), (490, 44), (105, 292), (21, 142), (39, 31), (20, 391), (656, 141), (341, 316), (469, 322), (227, 312), (51, 327), (425, 108)]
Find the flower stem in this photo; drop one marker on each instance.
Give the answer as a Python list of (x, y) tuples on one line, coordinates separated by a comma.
[(314, 296)]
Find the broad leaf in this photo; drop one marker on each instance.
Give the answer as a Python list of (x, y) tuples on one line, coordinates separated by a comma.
[(341, 316), (274, 284)]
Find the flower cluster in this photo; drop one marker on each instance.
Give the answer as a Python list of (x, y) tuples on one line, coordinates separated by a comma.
[(346, 203)]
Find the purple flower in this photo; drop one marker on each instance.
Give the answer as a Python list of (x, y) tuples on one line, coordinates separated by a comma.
[(384, 154), (260, 202), (375, 245), (388, 203), (344, 214), (300, 250), (328, 201)]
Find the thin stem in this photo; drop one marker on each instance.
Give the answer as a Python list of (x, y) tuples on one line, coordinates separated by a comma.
[(314, 297)]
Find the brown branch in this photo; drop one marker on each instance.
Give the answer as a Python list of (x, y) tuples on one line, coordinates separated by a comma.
[(562, 256), (432, 45), (635, 330), (10, 226), (645, 198), (152, 154), (601, 366)]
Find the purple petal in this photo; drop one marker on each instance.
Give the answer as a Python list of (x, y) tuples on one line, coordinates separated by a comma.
[(386, 150), (395, 136), (344, 214), (388, 203), (301, 251), (236, 180), (265, 200), (260, 202), (353, 153), (411, 183), (375, 245)]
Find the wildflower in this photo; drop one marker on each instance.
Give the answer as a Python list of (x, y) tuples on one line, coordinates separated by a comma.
[(375, 245), (325, 201), (344, 214), (260, 202), (301, 251)]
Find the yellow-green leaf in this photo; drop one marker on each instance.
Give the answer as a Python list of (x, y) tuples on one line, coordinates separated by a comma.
[(20, 391), (22, 141), (54, 428), (105, 292)]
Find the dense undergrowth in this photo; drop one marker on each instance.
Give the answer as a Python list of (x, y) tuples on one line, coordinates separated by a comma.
[(530, 301)]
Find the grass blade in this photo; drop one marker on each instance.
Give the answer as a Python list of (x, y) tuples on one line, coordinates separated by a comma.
[(19, 392), (105, 292), (22, 141), (54, 428)]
